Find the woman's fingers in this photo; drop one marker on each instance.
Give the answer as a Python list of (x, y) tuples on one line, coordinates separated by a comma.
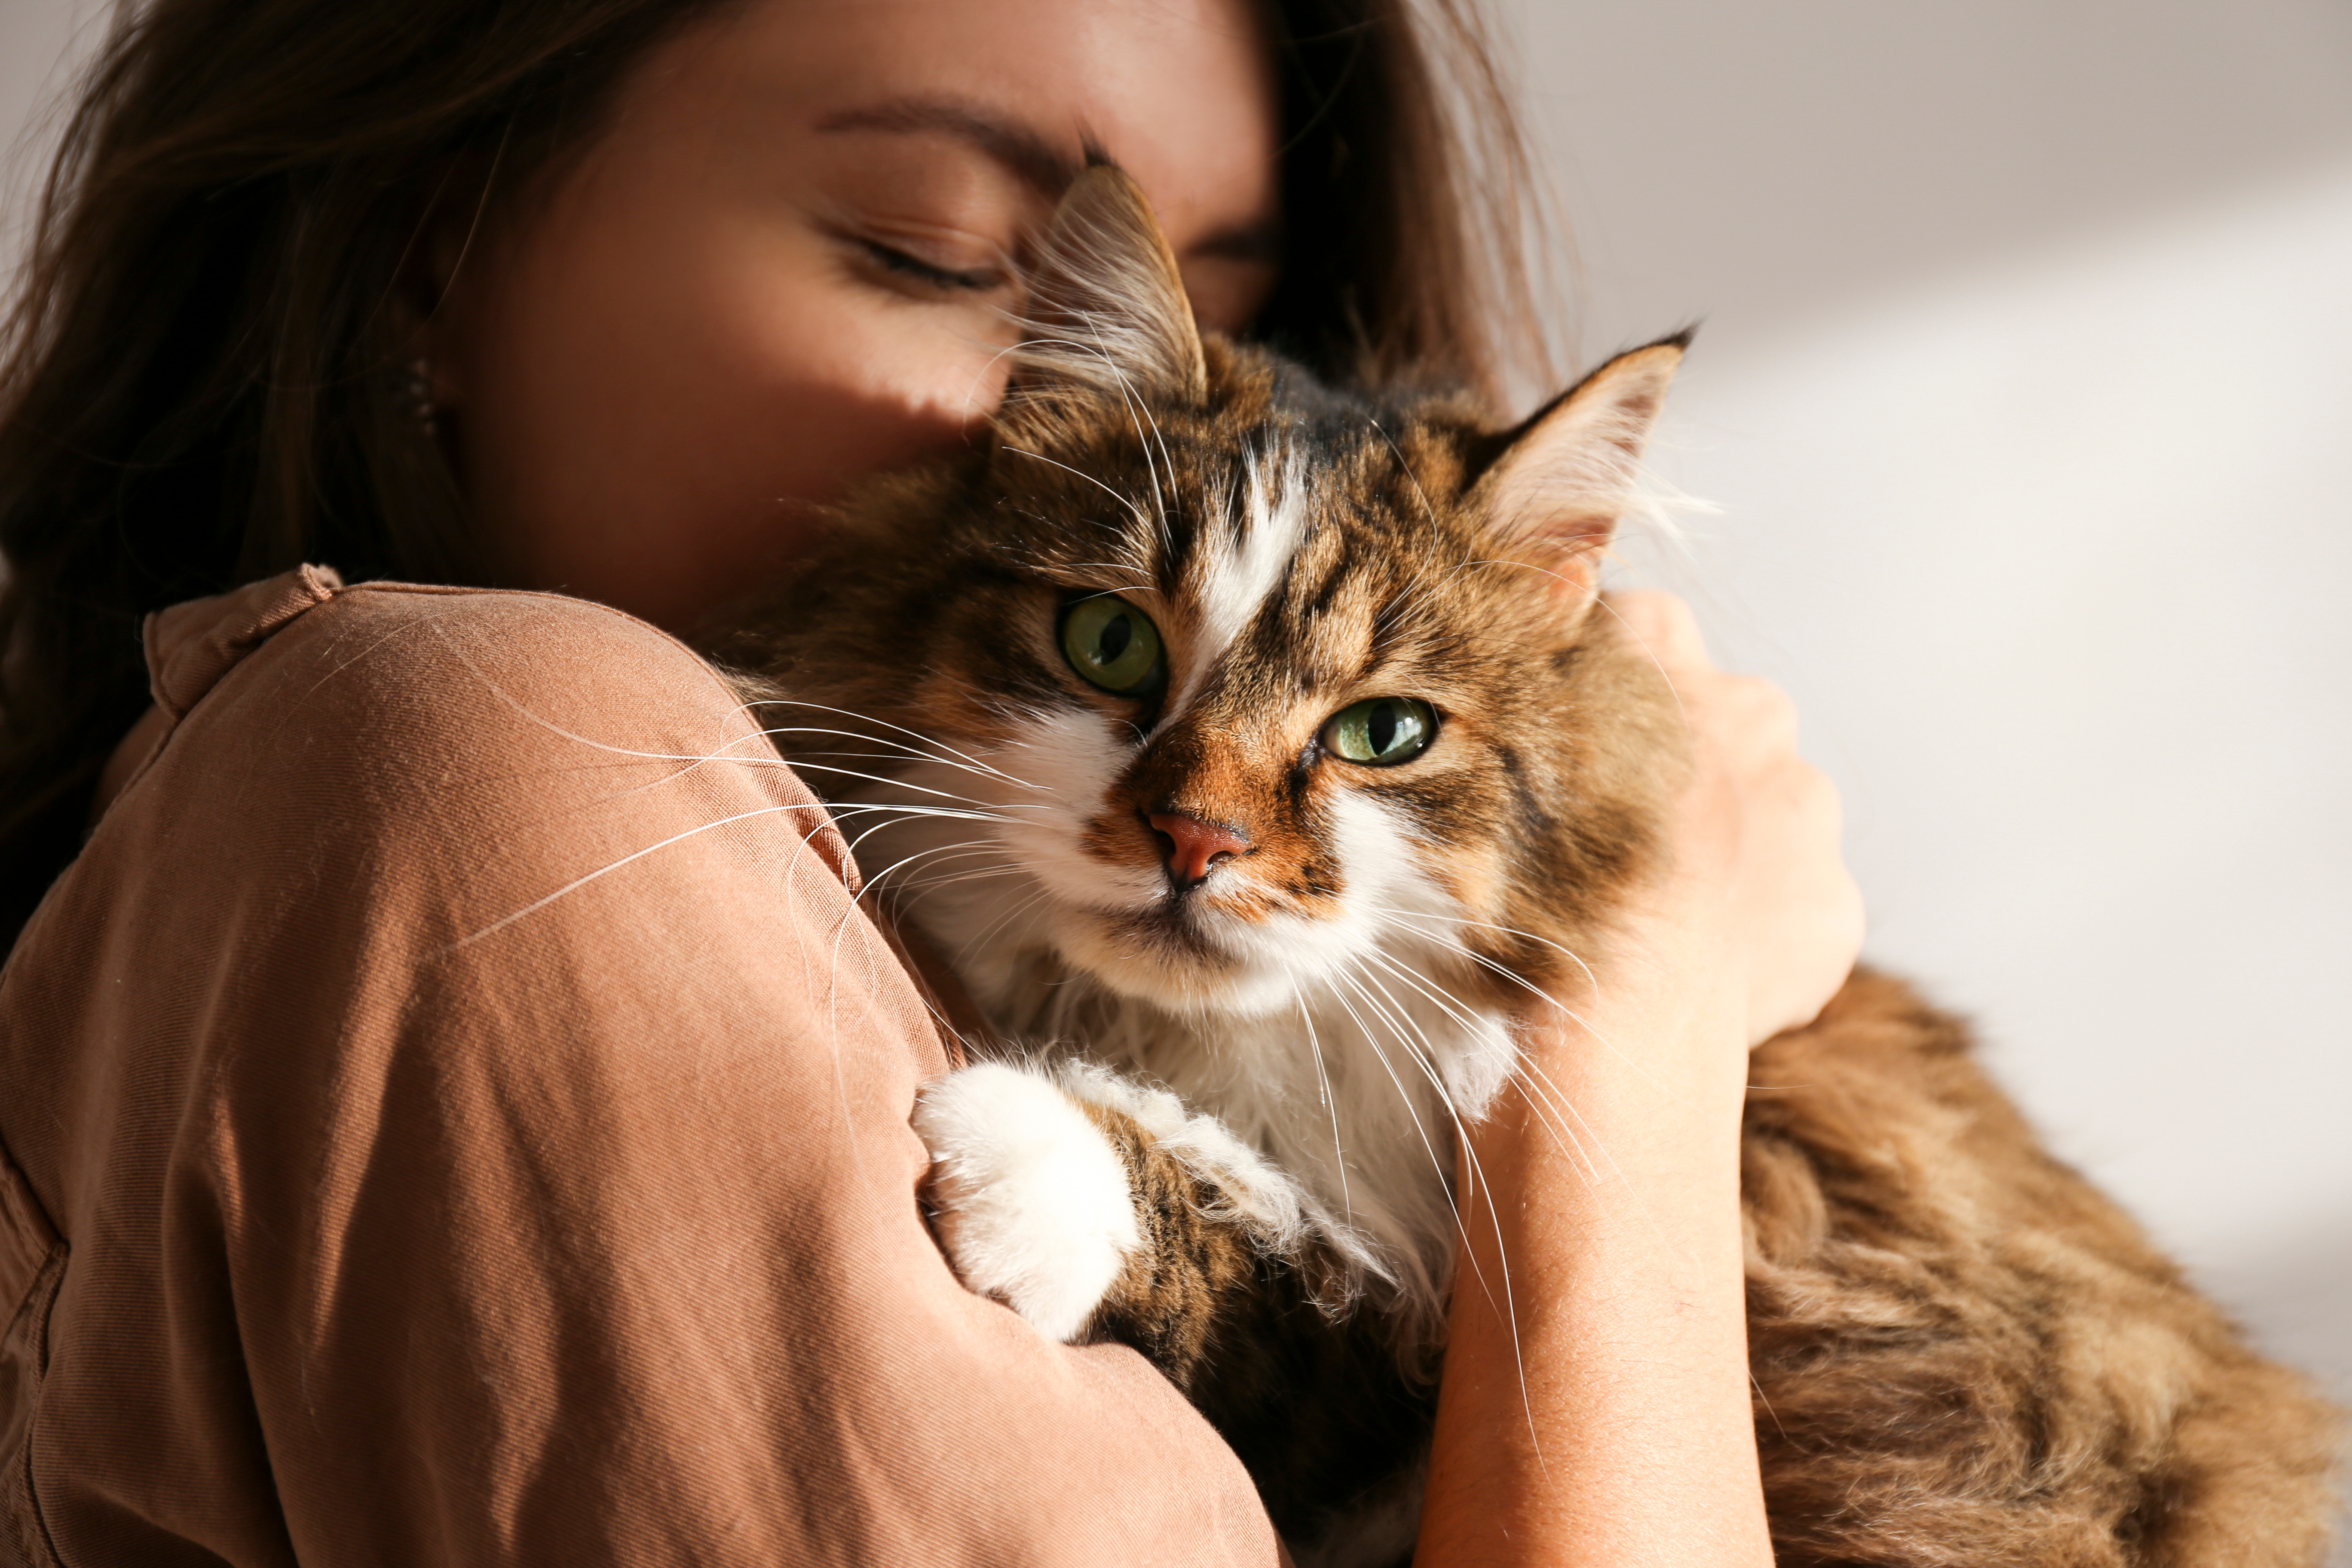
[(1664, 626), (1755, 838), (1746, 721), (1802, 906)]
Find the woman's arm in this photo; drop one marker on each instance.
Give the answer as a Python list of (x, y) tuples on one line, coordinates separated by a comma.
[(1595, 1407), (480, 1127)]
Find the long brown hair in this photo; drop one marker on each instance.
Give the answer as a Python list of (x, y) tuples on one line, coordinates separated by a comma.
[(204, 383)]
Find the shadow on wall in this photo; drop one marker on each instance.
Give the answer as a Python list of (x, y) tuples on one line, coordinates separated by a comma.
[(1756, 163)]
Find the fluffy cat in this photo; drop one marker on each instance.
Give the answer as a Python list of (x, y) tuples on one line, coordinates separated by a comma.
[(1256, 754)]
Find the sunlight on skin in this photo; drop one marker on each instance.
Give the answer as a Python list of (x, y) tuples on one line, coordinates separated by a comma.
[(787, 265)]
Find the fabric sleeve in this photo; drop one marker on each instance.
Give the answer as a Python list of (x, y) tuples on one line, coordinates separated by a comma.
[(517, 1105)]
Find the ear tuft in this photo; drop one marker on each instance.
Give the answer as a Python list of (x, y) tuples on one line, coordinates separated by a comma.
[(1107, 310), (1561, 480)]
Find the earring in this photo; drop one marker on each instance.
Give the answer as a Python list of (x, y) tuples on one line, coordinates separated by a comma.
[(420, 394)]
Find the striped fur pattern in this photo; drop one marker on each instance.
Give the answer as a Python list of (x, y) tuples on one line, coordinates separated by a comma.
[(1272, 981)]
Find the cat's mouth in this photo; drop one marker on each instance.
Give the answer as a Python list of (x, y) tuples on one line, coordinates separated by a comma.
[(1177, 930), (1181, 953)]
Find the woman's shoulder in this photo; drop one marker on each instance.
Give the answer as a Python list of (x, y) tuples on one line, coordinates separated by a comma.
[(285, 667), (422, 654), (431, 719)]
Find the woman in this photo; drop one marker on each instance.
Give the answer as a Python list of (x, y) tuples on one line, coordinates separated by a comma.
[(427, 1142)]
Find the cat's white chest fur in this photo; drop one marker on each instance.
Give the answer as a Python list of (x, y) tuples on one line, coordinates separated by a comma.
[(1355, 1095)]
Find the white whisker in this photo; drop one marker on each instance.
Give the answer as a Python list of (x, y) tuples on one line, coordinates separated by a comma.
[(896, 748), (1508, 1305), (1323, 1086), (1139, 514), (1592, 979), (867, 718), (1372, 1038), (971, 801), (578, 882)]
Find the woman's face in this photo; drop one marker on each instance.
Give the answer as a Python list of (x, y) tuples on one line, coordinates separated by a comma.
[(784, 265)]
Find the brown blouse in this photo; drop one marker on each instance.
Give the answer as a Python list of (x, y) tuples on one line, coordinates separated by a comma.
[(455, 1112)]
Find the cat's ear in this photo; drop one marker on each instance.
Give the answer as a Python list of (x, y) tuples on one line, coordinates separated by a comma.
[(1558, 483), (1105, 308)]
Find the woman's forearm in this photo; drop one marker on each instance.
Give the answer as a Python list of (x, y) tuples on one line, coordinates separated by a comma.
[(1595, 1404), (1599, 1412)]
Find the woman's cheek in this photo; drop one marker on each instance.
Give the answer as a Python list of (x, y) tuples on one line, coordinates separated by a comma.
[(779, 387), (654, 411), (868, 380)]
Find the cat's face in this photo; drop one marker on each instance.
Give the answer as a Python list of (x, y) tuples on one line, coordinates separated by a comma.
[(1238, 691)]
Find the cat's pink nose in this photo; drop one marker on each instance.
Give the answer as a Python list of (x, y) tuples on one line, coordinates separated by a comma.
[(1193, 848)]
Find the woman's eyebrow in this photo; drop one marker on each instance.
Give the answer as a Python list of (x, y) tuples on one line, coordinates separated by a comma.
[(1019, 148)]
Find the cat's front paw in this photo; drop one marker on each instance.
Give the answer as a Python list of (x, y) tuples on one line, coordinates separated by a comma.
[(1031, 1201)]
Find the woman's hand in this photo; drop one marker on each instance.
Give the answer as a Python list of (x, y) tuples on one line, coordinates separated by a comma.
[(1594, 1408), (1755, 899)]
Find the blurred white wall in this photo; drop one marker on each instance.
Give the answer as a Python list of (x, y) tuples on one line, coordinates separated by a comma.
[(2025, 395), (2024, 392)]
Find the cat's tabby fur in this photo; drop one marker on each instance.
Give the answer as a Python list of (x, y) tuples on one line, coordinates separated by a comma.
[(1256, 983)]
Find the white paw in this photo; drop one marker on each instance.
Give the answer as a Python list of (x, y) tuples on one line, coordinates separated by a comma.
[(1031, 1201)]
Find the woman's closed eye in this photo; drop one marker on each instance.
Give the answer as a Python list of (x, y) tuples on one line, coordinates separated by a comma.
[(904, 270)]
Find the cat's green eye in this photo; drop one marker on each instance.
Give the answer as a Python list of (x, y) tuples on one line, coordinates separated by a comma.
[(1381, 732), (1113, 645)]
